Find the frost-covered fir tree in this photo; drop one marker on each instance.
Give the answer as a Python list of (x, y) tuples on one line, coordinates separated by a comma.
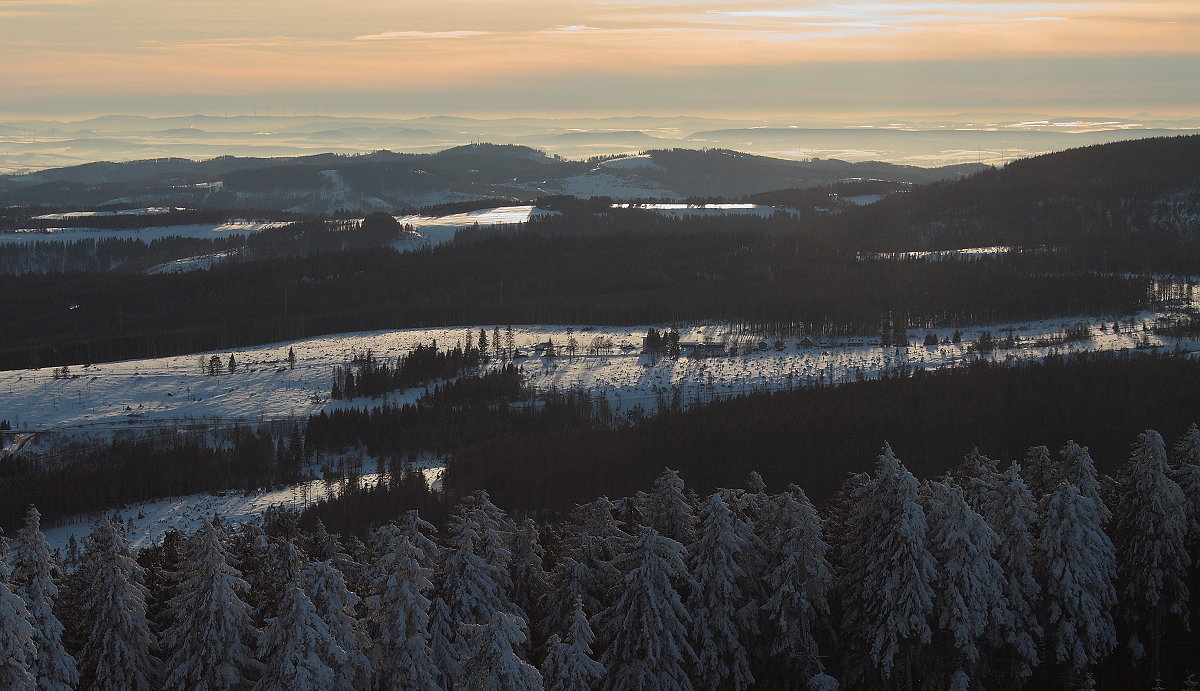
[(208, 643), (18, 647), (493, 663), (335, 605), (528, 575), (567, 584), (494, 528), (887, 571), (569, 665), (418, 531), (297, 647), (593, 539), (668, 510), (398, 609), (33, 576), (116, 651), (1150, 536), (473, 586), (723, 616), (1187, 476), (1041, 473), (1076, 567), (447, 645), (969, 586), (1079, 469), (1010, 509), (326, 546), (647, 625), (800, 577)]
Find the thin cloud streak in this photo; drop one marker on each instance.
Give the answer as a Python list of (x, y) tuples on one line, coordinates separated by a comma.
[(420, 35)]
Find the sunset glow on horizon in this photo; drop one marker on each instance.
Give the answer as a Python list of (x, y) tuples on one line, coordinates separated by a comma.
[(67, 57)]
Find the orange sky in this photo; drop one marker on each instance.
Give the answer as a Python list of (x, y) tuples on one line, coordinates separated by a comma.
[(543, 56)]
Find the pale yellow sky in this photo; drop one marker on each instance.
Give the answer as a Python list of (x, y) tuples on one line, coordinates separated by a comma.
[(626, 56)]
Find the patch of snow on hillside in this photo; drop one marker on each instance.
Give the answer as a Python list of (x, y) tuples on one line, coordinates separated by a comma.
[(202, 262), (438, 230), (679, 210), (147, 522), (149, 211), (175, 392), (863, 199), (631, 163), (198, 230), (938, 255)]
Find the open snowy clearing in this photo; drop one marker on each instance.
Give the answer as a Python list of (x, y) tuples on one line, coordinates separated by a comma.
[(148, 211), (681, 210), (90, 404), (101, 399), (199, 230), (146, 522), (939, 255), (438, 230)]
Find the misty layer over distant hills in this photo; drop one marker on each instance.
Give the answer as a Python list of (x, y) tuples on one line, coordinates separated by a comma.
[(964, 138)]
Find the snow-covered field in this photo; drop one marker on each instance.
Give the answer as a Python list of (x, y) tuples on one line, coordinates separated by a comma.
[(92, 403), (148, 211), (197, 263), (146, 522), (197, 230), (680, 210), (135, 394), (438, 230), (938, 255)]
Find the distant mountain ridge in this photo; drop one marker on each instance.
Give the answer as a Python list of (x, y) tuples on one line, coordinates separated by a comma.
[(384, 180), (1146, 188)]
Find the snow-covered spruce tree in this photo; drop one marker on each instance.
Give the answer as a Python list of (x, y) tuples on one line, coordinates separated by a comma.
[(1150, 536), (647, 625), (723, 616), (569, 665), (208, 644), (493, 663), (1009, 508), (418, 531), (326, 546), (887, 573), (116, 651), (1187, 476), (494, 528), (33, 575), (668, 510), (446, 644), (297, 647), (567, 584), (797, 585), (473, 581), (1076, 567), (326, 588), (974, 465), (969, 586), (18, 647), (1078, 469), (592, 541), (398, 609), (528, 575), (1041, 473)]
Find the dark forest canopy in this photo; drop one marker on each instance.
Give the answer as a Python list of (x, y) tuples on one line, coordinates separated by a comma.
[(815, 437), (614, 278)]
